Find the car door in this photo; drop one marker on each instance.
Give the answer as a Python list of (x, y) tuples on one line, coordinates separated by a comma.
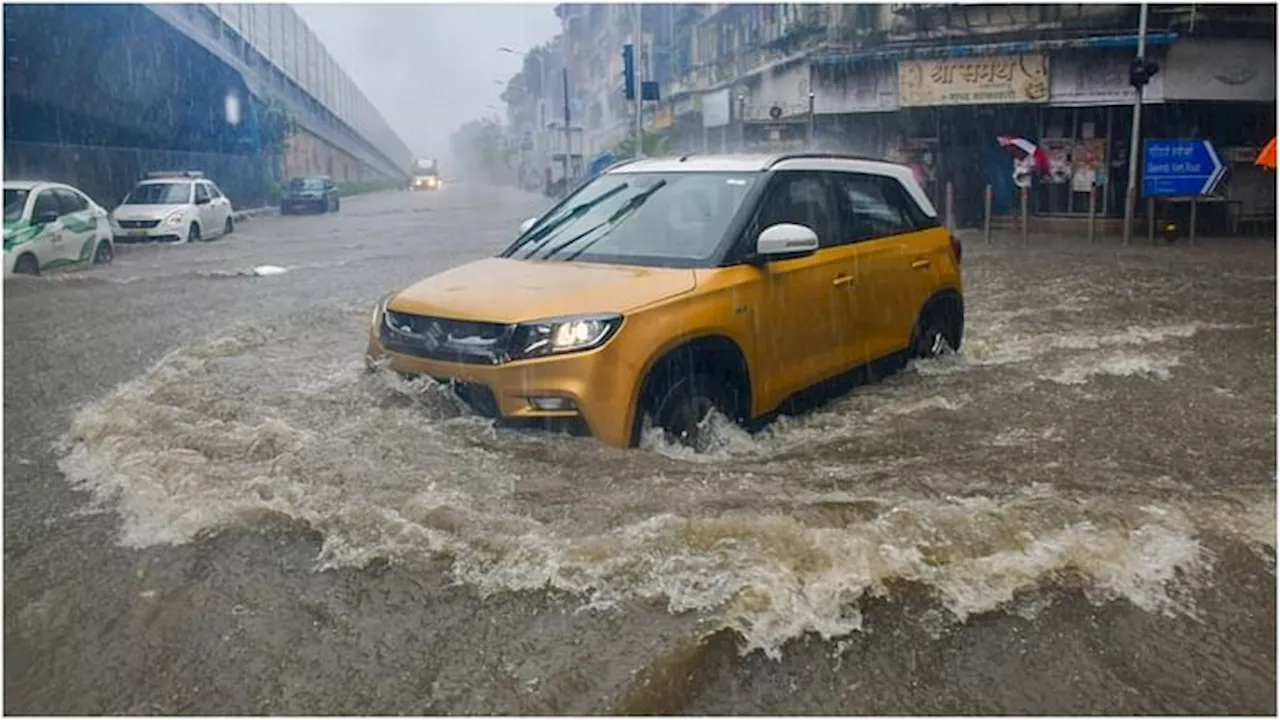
[(802, 325), (206, 211), (222, 204), (880, 228), (79, 226), (48, 244)]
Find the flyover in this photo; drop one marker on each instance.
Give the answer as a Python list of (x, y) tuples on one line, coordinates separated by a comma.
[(97, 95)]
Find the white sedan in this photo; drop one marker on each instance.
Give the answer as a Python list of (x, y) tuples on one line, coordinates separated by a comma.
[(173, 207), (49, 225)]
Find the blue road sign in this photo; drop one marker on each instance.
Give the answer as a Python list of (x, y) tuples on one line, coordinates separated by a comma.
[(1180, 168)]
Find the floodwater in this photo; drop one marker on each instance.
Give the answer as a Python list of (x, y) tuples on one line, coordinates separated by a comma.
[(1074, 514)]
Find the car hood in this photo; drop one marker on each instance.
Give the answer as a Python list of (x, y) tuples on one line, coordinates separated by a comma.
[(508, 291), (145, 212)]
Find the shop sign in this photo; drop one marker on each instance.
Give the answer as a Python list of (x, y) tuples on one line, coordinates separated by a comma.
[(1098, 79), (1221, 70), (994, 80), (685, 104), (715, 109), (663, 118), (867, 88)]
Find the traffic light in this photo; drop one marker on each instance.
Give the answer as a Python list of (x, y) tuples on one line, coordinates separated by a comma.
[(1141, 71), (629, 71)]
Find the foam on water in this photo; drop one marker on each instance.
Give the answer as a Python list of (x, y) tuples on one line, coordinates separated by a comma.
[(775, 534)]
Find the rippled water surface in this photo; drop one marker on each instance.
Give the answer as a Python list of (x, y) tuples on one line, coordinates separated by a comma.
[(1095, 471)]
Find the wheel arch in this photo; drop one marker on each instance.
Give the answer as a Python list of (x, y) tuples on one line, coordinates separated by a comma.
[(715, 352), (947, 299)]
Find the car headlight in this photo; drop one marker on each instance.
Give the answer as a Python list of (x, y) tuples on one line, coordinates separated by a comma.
[(562, 335), (174, 219)]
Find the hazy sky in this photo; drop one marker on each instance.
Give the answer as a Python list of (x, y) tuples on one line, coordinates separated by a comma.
[(430, 68)]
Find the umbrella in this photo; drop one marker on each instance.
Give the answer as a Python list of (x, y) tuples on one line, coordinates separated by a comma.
[(1027, 152), (1267, 158)]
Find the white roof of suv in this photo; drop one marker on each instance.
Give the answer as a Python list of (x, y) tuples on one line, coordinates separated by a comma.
[(786, 161)]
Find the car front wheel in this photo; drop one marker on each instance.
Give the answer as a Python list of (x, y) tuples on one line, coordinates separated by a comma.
[(683, 409), (103, 254)]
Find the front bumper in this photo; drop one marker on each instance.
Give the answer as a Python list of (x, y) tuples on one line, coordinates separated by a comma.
[(600, 384), (296, 204), (160, 233)]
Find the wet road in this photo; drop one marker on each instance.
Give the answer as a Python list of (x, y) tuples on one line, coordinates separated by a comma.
[(209, 508)]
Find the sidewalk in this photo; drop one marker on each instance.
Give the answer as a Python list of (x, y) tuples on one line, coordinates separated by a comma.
[(1007, 238)]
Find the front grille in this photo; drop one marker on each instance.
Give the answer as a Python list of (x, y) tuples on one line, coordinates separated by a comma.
[(138, 224), (461, 341)]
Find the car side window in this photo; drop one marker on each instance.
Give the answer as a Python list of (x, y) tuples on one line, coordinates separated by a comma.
[(213, 190), (800, 198), (70, 202), (46, 201), (874, 206), (201, 192)]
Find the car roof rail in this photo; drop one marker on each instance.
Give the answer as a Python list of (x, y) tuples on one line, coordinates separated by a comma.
[(812, 155), (154, 174)]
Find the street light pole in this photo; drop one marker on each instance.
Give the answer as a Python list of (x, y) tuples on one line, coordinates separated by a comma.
[(1131, 197), (639, 87)]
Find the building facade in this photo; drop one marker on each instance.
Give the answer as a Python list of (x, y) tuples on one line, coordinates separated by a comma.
[(932, 85)]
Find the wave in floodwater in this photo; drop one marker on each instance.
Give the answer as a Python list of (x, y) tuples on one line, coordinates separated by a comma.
[(962, 474)]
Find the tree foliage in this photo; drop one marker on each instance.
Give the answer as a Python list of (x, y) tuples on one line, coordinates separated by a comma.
[(652, 143), (481, 152)]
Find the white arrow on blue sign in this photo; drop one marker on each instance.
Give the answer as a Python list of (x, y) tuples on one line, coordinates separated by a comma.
[(1181, 168)]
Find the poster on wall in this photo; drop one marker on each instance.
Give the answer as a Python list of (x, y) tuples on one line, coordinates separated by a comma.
[(1059, 152), (993, 80), (1089, 165)]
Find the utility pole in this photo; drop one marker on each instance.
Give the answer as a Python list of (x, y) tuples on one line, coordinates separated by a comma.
[(568, 136), (1131, 197), (639, 87)]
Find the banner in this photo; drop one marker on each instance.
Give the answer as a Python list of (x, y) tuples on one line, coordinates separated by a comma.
[(995, 80)]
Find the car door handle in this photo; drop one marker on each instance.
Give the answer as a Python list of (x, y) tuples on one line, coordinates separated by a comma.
[(920, 264), (843, 281)]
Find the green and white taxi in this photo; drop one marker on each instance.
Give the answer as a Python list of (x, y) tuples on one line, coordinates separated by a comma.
[(50, 225), (178, 206)]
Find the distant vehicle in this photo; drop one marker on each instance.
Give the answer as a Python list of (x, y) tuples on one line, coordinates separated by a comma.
[(664, 289), (50, 225), (173, 207), (426, 175), (316, 193)]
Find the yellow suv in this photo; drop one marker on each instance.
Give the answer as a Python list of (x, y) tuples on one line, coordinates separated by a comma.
[(665, 288)]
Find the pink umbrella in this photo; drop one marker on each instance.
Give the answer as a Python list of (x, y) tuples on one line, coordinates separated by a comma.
[(1027, 152)]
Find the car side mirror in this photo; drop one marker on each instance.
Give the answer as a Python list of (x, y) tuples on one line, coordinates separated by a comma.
[(46, 217), (786, 240), (524, 226)]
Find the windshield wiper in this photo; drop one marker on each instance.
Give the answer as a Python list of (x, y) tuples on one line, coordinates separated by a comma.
[(576, 212), (628, 207)]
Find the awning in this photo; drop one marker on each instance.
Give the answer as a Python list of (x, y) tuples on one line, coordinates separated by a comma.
[(1018, 47)]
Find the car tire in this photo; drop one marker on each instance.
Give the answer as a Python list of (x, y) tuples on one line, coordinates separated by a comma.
[(230, 227), (104, 253), (27, 264), (937, 332), (683, 405), (193, 233)]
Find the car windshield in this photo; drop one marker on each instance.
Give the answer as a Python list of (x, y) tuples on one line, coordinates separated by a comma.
[(672, 219), (306, 184), (14, 201), (160, 194)]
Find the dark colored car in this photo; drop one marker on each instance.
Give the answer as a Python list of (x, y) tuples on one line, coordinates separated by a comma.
[(315, 193)]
